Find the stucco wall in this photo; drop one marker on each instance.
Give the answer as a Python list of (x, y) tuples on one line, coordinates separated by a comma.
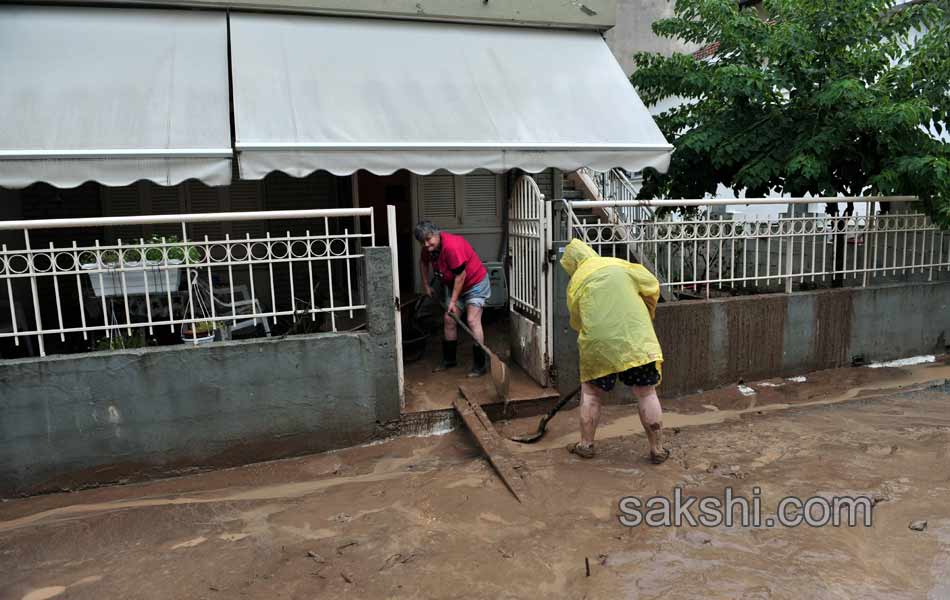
[(107, 416), (632, 32)]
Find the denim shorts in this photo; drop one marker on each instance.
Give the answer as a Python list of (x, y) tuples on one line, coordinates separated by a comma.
[(476, 295)]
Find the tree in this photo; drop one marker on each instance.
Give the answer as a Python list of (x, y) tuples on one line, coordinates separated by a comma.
[(814, 97)]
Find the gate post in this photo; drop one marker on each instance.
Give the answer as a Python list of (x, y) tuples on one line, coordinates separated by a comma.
[(394, 256)]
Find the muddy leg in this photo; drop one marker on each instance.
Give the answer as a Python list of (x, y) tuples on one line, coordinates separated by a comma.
[(651, 417), (450, 328), (591, 399), (473, 314)]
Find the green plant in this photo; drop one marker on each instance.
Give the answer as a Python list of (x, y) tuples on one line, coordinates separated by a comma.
[(124, 341), (803, 97), (154, 254)]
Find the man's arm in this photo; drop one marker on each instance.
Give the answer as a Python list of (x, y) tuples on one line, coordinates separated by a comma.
[(426, 267), (648, 286), (457, 286)]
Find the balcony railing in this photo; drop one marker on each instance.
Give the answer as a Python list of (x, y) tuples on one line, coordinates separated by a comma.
[(298, 272), (701, 251)]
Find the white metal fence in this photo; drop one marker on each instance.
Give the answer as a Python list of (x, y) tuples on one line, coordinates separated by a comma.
[(299, 273), (698, 253)]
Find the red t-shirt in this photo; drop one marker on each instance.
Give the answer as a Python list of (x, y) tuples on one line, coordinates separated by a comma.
[(455, 253)]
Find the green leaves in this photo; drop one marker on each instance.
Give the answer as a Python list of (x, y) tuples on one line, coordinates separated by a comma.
[(805, 97)]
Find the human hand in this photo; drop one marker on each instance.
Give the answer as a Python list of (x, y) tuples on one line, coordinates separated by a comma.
[(454, 309), (429, 291)]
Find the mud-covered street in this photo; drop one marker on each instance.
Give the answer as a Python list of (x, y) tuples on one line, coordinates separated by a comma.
[(429, 518)]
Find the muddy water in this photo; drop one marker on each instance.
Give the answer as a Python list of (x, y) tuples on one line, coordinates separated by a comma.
[(906, 378), (428, 518)]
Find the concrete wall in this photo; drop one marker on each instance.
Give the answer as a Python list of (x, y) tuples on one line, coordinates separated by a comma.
[(72, 420), (710, 343), (580, 14)]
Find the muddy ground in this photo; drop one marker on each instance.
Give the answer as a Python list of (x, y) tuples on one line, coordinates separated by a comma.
[(428, 518)]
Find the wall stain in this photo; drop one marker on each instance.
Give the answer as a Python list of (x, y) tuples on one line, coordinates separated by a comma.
[(684, 332), (832, 329), (755, 338)]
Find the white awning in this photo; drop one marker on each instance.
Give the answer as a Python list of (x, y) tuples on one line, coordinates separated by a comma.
[(343, 94), (113, 95)]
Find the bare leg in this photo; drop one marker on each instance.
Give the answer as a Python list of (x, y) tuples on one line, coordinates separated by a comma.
[(651, 417), (591, 399), (473, 315), (451, 329)]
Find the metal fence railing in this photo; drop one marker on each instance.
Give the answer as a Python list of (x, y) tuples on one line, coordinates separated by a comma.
[(298, 272), (698, 252)]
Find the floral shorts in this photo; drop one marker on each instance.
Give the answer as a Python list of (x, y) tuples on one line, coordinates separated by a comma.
[(641, 376)]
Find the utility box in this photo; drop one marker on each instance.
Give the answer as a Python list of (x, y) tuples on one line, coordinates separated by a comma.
[(499, 285)]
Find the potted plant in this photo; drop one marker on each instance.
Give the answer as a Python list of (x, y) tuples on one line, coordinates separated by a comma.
[(199, 332), (159, 268)]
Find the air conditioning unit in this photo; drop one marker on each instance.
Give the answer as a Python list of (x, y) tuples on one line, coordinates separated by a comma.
[(499, 285)]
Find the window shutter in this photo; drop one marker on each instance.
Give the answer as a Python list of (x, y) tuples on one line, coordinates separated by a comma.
[(165, 201), (481, 199), (121, 202), (204, 199), (246, 196), (437, 199)]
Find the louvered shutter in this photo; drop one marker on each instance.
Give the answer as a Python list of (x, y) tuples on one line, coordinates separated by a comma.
[(43, 201), (246, 196), (121, 202), (165, 201), (204, 199), (481, 199), (438, 200)]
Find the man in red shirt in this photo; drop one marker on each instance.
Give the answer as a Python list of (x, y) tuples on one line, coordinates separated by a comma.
[(467, 288)]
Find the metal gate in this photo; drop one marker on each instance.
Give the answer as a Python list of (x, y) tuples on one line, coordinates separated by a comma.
[(529, 242)]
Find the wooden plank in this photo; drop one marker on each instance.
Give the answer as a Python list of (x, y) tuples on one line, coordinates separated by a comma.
[(505, 464)]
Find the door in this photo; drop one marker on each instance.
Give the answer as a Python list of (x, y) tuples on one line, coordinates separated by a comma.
[(529, 235)]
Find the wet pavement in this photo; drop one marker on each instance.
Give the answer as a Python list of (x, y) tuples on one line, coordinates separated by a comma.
[(428, 518)]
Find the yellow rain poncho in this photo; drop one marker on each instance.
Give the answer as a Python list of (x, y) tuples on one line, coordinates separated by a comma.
[(612, 304)]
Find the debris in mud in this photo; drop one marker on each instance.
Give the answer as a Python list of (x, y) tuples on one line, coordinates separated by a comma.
[(918, 525), (904, 362), (346, 577), (398, 559), (340, 549), (746, 390), (697, 538), (342, 518), (602, 559), (316, 557)]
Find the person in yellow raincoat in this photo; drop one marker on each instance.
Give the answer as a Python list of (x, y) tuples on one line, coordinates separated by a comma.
[(612, 304)]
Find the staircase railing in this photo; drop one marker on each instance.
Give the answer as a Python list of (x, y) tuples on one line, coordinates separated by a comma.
[(615, 186)]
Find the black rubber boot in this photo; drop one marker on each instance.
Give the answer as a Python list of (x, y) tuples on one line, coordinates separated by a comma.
[(449, 355), (479, 367)]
